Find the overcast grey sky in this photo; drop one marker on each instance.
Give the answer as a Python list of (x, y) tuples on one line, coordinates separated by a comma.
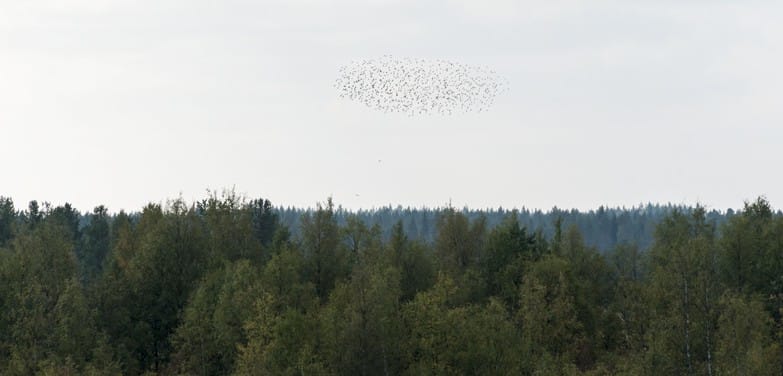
[(610, 102)]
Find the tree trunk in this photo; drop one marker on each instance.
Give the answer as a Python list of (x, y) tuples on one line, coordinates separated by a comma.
[(687, 318)]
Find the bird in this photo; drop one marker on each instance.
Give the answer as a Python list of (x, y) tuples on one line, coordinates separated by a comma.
[(419, 86)]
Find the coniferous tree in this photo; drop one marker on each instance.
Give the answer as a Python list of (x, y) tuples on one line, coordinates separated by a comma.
[(321, 246), (95, 243), (7, 220)]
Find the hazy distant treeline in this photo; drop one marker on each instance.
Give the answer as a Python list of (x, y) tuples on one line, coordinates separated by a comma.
[(603, 228)]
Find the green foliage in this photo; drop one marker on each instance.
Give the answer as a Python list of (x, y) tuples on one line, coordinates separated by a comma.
[(36, 275), (744, 346), (593, 291), (284, 343), (509, 250), (95, 243), (547, 315), (149, 281), (358, 238), (417, 272), (326, 261), (263, 219), (170, 256), (684, 295), (67, 218), (464, 340), (48, 325), (34, 215), (361, 321), (629, 306), (235, 228), (7, 220), (750, 257), (206, 341), (223, 287), (460, 242)]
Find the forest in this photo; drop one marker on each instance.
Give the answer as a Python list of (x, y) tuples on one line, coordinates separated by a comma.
[(235, 286), (603, 228)]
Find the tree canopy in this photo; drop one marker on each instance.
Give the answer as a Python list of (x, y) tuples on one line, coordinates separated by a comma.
[(230, 285)]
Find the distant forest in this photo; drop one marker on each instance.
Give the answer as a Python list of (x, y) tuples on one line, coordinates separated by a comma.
[(230, 285), (603, 228)]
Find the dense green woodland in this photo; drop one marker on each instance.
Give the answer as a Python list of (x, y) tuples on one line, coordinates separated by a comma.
[(229, 285)]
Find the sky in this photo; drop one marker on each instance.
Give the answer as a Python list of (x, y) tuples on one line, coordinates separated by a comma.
[(612, 103)]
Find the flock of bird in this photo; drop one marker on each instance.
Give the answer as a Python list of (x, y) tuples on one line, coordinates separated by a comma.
[(419, 87)]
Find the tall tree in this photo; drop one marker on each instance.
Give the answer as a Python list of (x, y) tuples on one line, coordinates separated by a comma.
[(67, 217), (361, 322), (460, 242), (207, 340), (412, 259), (320, 244), (629, 302), (509, 251), (166, 254), (744, 344), (547, 314), (7, 219), (36, 274), (33, 215), (230, 226), (281, 343), (685, 288), (445, 339), (95, 243), (750, 257), (265, 220), (358, 237)]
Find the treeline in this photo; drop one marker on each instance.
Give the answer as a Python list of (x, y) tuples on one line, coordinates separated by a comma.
[(220, 286), (604, 228)]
